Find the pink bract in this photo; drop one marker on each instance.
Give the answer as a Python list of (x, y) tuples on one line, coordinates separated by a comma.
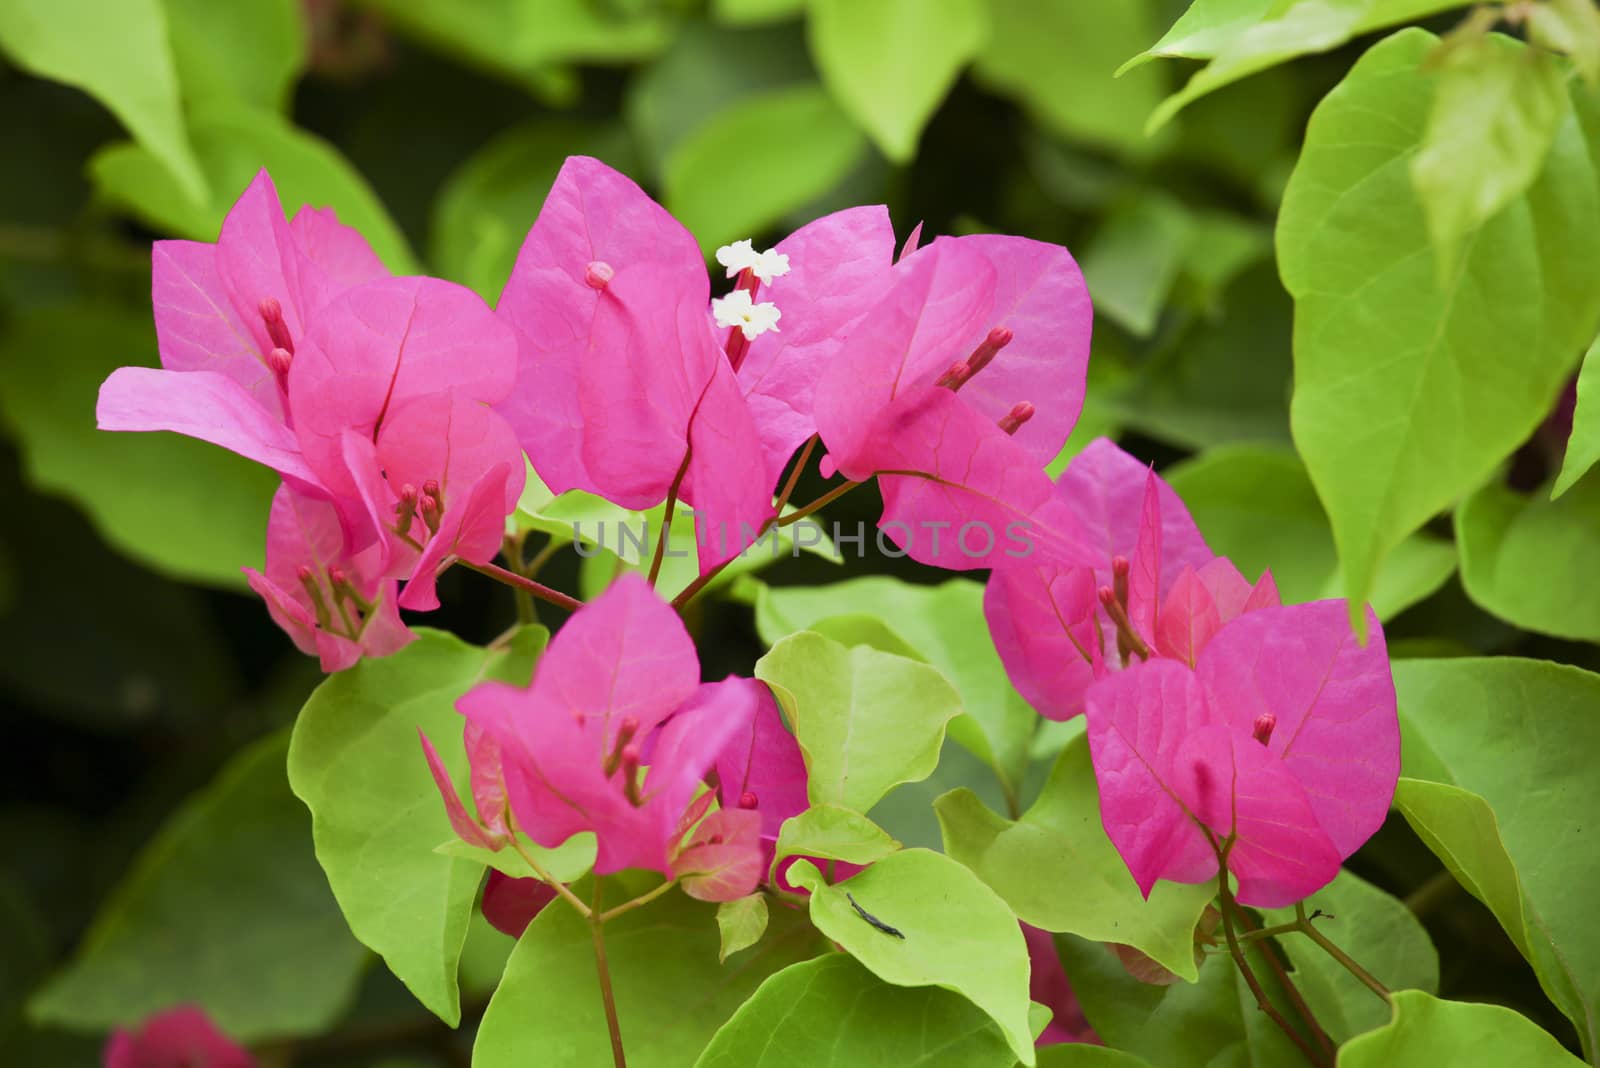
[(1283, 738), (182, 1036)]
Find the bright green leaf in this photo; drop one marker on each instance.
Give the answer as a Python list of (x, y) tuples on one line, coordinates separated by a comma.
[(233, 144), (743, 12), (1057, 869), (1241, 37), (1519, 553), (741, 923), (1081, 1055), (866, 720), (1133, 262), (140, 490), (671, 992), (1058, 56), (834, 833), (757, 161), (945, 625), (1379, 932), (1515, 818), (1404, 398), (224, 909), (1583, 447), (833, 1013), (249, 51), (1426, 1030), (1495, 113), (117, 53), (1256, 506), (890, 63), (567, 862), (357, 764), (488, 204), (955, 933), (1571, 27)]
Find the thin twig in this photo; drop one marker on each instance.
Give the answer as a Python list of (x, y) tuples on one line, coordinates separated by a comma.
[(821, 502), (596, 924), (555, 884), (794, 474), (516, 581), (1262, 1001), (665, 533), (1340, 955), (643, 899)]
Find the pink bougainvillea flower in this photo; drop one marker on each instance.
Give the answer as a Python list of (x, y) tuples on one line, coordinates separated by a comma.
[(183, 1037), (333, 605), (934, 392), (1281, 746), (619, 678), (1055, 632), (488, 830), (1048, 985), (762, 770)]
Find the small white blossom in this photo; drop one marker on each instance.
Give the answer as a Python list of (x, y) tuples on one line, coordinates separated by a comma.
[(764, 265), (738, 310)]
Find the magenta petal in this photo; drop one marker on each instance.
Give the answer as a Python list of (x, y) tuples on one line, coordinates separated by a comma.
[(472, 530), (288, 613), (908, 339), (1189, 617), (1106, 489), (722, 859), (488, 778), (258, 259), (1043, 622), (762, 764), (1237, 788), (651, 360), (592, 213), (839, 265), (987, 500), (466, 828), (197, 326), (200, 404), (1138, 722), (181, 1036), (1331, 700), (1039, 294), (340, 254), (731, 495)]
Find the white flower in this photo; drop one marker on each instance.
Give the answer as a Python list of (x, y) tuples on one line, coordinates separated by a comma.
[(737, 309), (764, 265)]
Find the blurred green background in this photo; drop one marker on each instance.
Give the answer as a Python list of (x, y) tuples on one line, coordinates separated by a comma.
[(135, 662)]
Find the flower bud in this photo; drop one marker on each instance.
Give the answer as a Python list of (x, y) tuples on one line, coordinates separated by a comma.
[(598, 274)]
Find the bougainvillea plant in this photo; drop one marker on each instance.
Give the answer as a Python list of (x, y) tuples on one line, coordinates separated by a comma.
[(1151, 717)]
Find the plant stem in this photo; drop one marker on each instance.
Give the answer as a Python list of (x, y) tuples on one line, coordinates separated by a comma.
[(643, 899), (1340, 955), (516, 581), (794, 475), (596, 922), (538, 869), (1262, 1002), (665, 533), (511, 549), (821, 502), (1293, 992)]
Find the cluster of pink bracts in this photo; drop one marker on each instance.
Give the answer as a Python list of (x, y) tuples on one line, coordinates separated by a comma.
[(398, 410)]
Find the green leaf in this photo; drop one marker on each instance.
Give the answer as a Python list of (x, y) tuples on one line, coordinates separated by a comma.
[(117, 53), (1241, 37), (955, 933), (1519, 553), (377, 817), (1514, 817), (1583, 447), (1426, 1030), (1058, 59), (1375, 929), (833, 1013), (833, 833), (140, 490), (233, 144), (944, 624), (741, 923), (567, 862), (1403, 396), (1256, 506), (1204, 1024), (707, 69), (743, 12), (1571, 27), (249, 51), (224, 909), (489, 203), (520, 41), (890, 63), (1079, 1055), (1134, 261), (1057, 869), (757, 161), (1495, 114), (671, 992), (866, 721)]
